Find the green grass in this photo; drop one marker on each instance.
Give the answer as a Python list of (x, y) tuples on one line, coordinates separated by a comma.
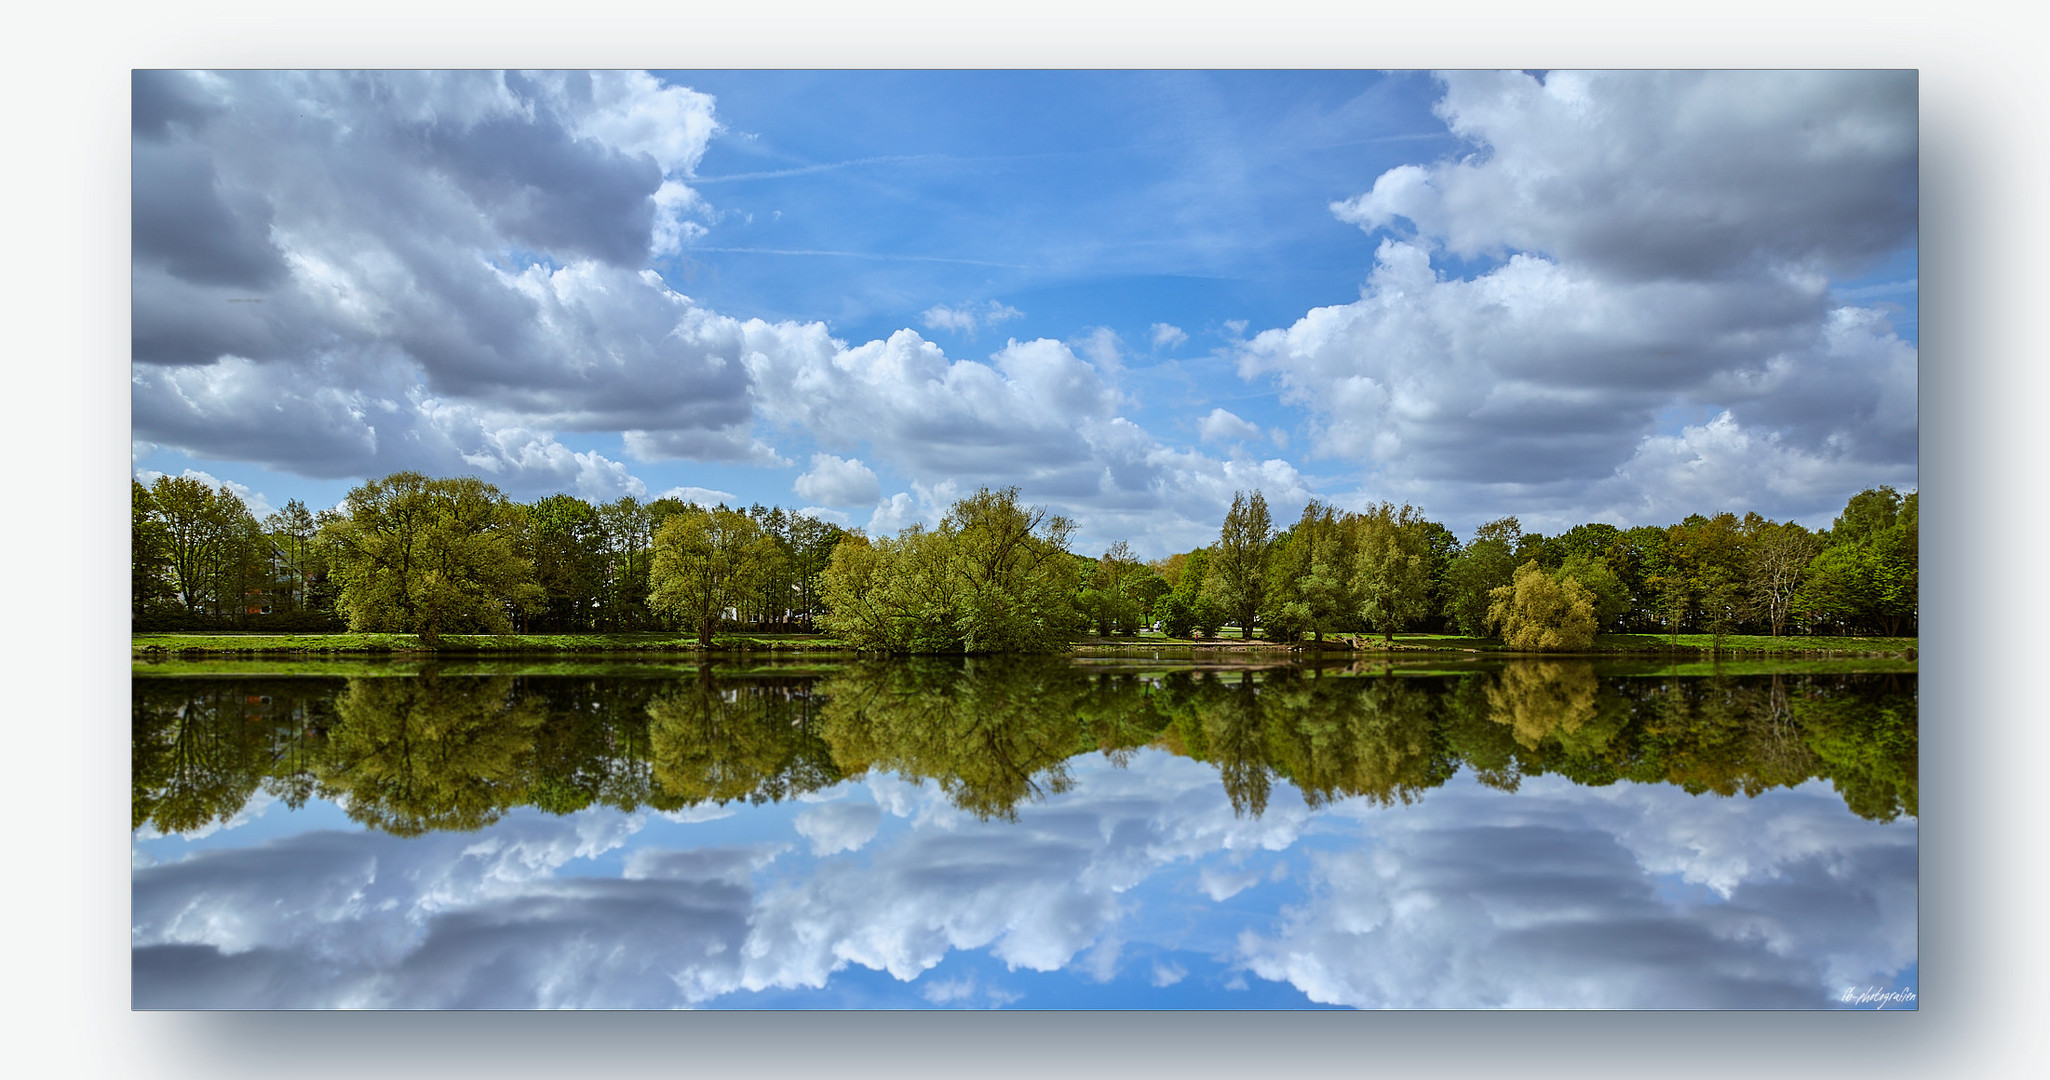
[(157, 646), (1703, 645)]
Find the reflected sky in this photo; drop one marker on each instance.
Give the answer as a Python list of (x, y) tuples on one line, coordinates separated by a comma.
[(1139, 884)]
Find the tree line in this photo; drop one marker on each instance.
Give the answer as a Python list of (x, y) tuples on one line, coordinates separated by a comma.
[(434, 556), (408, 553)]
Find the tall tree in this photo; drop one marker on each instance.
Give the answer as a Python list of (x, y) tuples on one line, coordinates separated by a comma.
[(706, 563), (567, 543), (149, 554), (1484, 565), (1779, 558), (1392, 568), (432, 556), (1237, 574)]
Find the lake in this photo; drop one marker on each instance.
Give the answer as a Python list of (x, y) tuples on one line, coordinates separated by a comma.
[(1024, 833)]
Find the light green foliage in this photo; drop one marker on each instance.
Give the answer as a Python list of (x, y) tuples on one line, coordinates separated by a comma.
[(995, 577), (1611, 596), (707, 561), (1539, 613), (1486, 564), (1236, 575), (149, 554), (1391, 567), (218, 556), (431, 556), (1310, 576), (1113, 600)]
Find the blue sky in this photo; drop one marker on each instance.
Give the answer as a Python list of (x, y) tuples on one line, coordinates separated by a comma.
[(1607, 296)]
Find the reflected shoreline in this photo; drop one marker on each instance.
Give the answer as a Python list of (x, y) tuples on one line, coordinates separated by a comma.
[(435, 751)]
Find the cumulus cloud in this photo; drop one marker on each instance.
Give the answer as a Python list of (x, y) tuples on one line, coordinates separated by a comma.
[(254, 500), (965, 320), (1551, 898), (1662, 243), (700, 496), (1168, 336), (341, 273), (1035, 414), (840, 826), (1224, 426), (838, 481)]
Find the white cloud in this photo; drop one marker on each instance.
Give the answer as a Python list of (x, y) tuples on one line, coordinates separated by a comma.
[(258, 506), (700, 496), (967, 319), (1224, 426), (316, 245), (1548, 897), (839, 826), (838, 481), (1666, 241), (1168, 336)]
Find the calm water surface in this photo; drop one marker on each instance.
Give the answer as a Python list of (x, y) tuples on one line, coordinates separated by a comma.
[(1022, 834)]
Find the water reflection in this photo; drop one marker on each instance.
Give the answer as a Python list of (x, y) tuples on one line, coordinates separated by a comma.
[(1546, 834), (413, 754)]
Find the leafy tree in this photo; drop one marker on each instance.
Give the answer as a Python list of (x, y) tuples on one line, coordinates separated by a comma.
[(213, 544), (1779, 558), (629, 536), (149, 555), (1311, 584), (293, 534), (1110, 600), (431, 556), (995, 577), (1540, 613), (1472, 576), (1237, 570), (1611, 596), (706, 563), (567, 543), (1392, 568)]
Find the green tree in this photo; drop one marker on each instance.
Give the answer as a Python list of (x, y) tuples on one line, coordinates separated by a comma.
[(430, 557), (149, 555), (994, 577), (1778, 562), (1311, 584), (566, 541), (707, 563), (1237, 570), (1540, 613), (292, 535), (1392, 568), (1472, 576)]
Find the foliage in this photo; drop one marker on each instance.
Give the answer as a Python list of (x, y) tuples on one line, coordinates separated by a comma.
[(707, 562), (1236, 571), (431, 556), (1542, 613), (1472, 576), (995, 576)]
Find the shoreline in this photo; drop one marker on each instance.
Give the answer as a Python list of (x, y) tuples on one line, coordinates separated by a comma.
[(167, 646)]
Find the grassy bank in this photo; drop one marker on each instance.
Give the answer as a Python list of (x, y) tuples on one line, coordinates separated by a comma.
[(654, 643), (1687, 645), (152, 646)]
